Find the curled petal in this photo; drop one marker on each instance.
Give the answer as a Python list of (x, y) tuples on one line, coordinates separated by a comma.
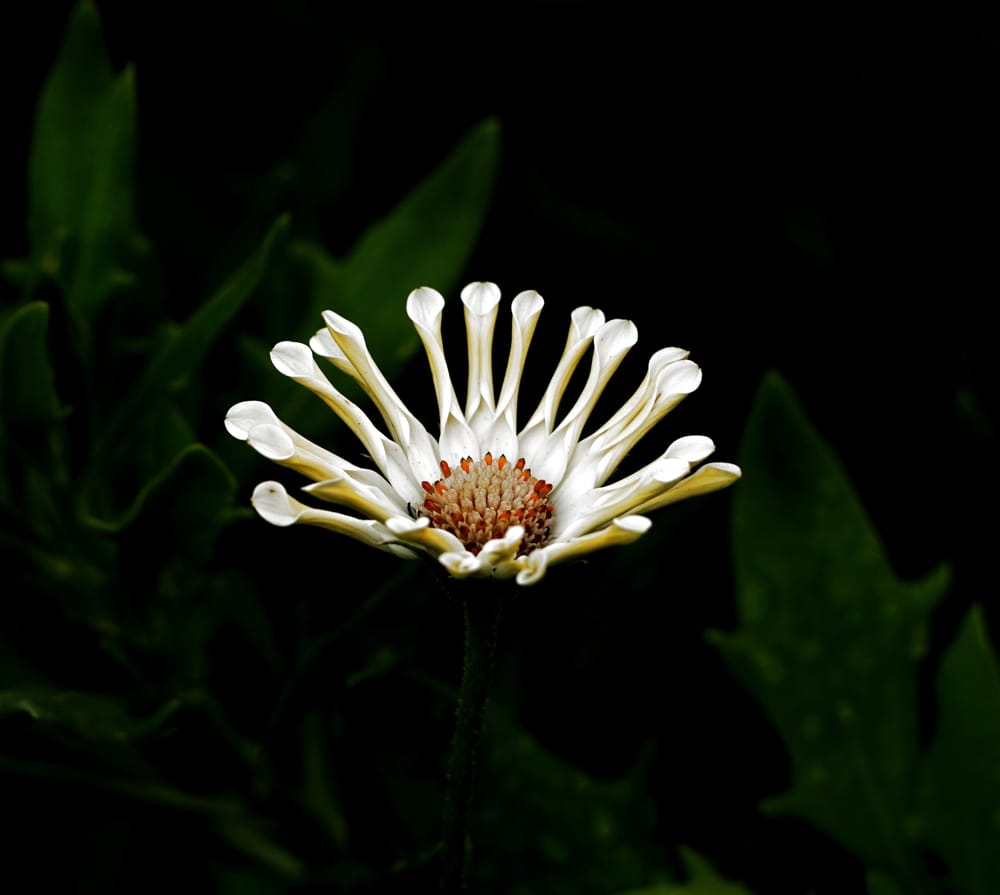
[(590, 509), (624, 530), (405, 428), (425, 308), (356, 494), (418, 533), (499, 436), (611, 343), (322, 345), (255, 423), (584, 325), (296, 361), (599, 455), (273, 503), (704, 480), (480, 300)]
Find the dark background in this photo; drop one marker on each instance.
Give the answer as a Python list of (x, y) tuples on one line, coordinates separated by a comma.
[(816, 201)]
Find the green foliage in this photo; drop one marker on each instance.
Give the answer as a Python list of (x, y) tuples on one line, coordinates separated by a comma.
[(574, 835), (702, 880), (961, 803), (80, 218), (172, 672), (830, 637), (829, 644), (424, 241)]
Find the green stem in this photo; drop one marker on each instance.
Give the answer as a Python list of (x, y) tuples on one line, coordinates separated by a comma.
[(482, 619)]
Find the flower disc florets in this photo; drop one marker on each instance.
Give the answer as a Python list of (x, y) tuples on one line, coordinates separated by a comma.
[(479, 500)]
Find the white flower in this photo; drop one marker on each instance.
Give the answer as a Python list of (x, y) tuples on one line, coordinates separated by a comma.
[(488, 497)]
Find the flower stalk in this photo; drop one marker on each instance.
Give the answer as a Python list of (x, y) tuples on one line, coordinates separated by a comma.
[(481, 606)]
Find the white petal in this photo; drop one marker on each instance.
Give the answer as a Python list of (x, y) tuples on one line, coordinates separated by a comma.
[(497, 559), (499, 550), (613, 341), (408, 432), (704, 480), (358, 495), (533, 569), (584, 324), (643, 395), (599, 454), (462, 564), (322, 345), (296, 361), (418, 533), (693, 448), (501, 437), (255, 423), (624, 530), (242, 417), (274, 505), (578, 513), (480, 300), (425, 308)]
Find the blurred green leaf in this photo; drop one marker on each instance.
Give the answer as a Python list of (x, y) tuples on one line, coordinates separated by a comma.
[(91, 715), (880, 884), (27, 386), (830, 637), (703, 880), (29, 404), (188, 502), (178, 360), (424, 241), (962, 794), (574, 835), (80, 168)]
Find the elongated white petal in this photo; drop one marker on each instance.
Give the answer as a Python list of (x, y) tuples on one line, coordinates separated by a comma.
[(322, 345), (620, 531), (407, 431), (500, 437), (693, 448), (584, 324), (704, 480), (296, 361), (425, 308), (273, 503), (358, 495), (591, 509), (465, 565), (418, 533), (480, 300), (501, 550), (256, 423), (611, 343), (462, 564)]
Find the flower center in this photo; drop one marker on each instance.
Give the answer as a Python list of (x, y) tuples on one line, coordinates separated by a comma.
[(479, 500)]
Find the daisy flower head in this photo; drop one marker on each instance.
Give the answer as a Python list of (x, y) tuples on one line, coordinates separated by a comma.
[(489, 495)]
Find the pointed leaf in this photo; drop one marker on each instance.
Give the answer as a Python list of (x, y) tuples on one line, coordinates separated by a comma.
[(80, 218), (29, 404), (962, 811), (178, 360), (702, 880), (90, 715), (192, 495), (27, 386), (424, 241), (829, 636), (574, 834)]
